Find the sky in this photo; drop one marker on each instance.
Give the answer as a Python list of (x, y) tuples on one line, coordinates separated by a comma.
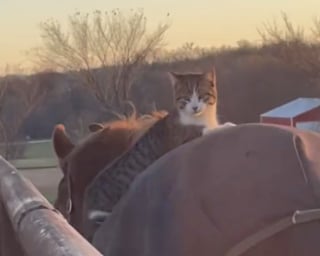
[(204, 22)]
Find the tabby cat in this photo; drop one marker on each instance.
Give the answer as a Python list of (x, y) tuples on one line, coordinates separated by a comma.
[(196, 99)]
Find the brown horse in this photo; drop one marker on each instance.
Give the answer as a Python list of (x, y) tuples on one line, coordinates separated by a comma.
[(250, 190), (80, 163)]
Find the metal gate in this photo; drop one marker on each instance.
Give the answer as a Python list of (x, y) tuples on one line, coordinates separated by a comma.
[(29, 224)]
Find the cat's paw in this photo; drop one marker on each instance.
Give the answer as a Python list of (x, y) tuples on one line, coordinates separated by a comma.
[(229, 124), (206, 130)]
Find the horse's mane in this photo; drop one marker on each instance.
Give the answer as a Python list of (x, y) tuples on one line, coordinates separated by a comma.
[(131, 127), (133, 121)]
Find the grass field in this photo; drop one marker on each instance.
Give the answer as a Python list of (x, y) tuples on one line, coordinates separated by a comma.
[(34, 149), (50, 197), (39, 149), (34, 163), (36, 154)]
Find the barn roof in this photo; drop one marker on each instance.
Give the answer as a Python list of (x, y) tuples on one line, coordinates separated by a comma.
[(293, 108)]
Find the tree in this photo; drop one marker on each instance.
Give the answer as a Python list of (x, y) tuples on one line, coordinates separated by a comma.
[(3, 132), (19, 96), (292, 44), (105, 50), (186, 52)]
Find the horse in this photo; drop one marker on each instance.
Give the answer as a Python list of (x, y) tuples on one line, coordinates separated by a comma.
[(80, 163), (249, 190)]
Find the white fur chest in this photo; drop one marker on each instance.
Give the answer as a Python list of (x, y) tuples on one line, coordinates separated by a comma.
[(207, 119)]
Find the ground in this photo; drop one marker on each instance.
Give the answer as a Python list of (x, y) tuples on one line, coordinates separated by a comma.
[(45, 180)]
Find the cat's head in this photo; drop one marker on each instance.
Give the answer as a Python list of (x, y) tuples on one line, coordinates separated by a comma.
[(194, 93)]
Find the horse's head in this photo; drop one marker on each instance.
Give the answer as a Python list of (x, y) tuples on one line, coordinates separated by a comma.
[(81, 163)]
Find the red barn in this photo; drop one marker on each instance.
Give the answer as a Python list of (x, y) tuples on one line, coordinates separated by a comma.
[(302, 113)]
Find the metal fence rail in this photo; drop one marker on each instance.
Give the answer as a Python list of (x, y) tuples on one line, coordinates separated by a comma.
[(29, 225)]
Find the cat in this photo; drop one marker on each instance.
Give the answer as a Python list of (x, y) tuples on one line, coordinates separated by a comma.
[(195, 97)]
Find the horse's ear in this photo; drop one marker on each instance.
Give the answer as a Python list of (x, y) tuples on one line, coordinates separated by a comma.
[(61, 143), (95, 127)]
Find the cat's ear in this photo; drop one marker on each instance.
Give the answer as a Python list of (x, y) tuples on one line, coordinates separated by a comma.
[(211, 76), (173, 77)]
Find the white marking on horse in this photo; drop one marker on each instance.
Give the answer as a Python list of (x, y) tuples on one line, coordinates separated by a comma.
[(97, 215)]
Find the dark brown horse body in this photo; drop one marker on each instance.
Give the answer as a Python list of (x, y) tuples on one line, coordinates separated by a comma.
[(80, 163), (207, 196)]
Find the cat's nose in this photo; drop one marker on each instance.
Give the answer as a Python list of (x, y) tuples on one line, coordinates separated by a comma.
[(195, 108)]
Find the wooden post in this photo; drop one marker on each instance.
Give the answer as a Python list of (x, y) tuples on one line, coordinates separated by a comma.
[(37, 227)]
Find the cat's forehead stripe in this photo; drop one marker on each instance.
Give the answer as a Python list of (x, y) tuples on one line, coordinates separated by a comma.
[(191, 83)]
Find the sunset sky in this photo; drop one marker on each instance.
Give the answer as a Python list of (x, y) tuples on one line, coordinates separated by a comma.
[(204, 22)]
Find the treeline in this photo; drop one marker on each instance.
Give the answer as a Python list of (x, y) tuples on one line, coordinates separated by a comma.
[(250, 81)]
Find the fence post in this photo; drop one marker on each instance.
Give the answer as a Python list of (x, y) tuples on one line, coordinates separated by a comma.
[(9, 245), (29, 223)]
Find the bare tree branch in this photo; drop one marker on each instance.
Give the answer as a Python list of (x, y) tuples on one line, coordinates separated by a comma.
[(291, 44), (106, 49)]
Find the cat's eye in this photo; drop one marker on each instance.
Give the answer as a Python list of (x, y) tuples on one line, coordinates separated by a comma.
[(204, 97), (183, 100), (207, 97)]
